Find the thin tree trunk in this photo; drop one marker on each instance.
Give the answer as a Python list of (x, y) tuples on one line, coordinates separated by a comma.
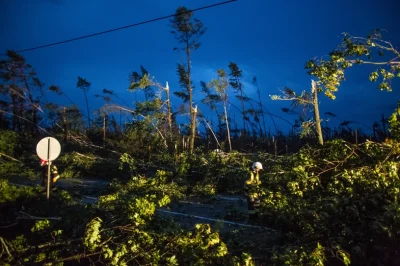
[(20, 113), (227, 127), (243, 114), (14, 111), (261, 107), (87, 107), (169, 116), (316, 112), (190, 92)]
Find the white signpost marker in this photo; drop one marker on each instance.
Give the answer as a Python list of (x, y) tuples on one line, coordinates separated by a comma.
[(48, 149)]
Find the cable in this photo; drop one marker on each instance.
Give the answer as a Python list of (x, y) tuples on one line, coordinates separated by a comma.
[(124, 27)]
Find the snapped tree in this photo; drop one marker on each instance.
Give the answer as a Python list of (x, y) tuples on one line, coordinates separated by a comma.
[(146, 83), (304, 100)]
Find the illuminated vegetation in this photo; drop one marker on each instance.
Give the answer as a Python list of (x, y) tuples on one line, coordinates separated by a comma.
[(330, 204)]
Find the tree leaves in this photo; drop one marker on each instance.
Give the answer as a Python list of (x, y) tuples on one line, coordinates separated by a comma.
[(83, 84), (187, 29), (92, 234), (353, 50)]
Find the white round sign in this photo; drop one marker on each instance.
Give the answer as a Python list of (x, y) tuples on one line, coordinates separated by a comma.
[(48, 149)]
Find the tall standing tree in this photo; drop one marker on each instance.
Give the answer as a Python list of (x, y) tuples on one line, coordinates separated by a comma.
[(255, 83), (211, 100), (221, 87), (187, 31), (84, 85), (235, 81)]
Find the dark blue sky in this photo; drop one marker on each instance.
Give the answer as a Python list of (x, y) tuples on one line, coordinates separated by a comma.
[(269, 39)]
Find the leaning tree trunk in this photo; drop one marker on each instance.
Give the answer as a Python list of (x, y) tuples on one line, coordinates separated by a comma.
[(316, 112)]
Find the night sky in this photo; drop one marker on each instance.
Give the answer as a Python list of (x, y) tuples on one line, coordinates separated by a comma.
[(270, 39)]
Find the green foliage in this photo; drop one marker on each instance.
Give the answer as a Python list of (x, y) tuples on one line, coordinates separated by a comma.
[(76, 165), (18, 171), (245, 260), (354, 51), (12, 193), (92, 234), (187, 29), (127, 162), (330, 205), (336, 200), (9, 142), (142, 83), (41, 225), (394, 124), (203, 248), (120, 229), (204, 190)]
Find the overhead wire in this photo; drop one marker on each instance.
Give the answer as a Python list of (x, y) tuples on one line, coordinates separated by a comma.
[(123, 27)]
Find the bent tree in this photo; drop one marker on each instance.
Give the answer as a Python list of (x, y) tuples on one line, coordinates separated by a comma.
[(330, 71), (370, 50), (187, 31)]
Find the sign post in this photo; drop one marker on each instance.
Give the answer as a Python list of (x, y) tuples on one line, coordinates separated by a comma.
[(48, 149)]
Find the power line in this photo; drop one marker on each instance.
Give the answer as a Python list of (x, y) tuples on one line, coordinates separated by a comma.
[(124, 27)]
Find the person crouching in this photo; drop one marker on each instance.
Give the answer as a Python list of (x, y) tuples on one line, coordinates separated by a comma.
[(54, 176)]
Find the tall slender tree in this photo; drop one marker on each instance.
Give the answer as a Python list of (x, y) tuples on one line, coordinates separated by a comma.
[(211, 100), (221, 87), (187, 31), (235, 81), (84, 85), (260, 103)]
